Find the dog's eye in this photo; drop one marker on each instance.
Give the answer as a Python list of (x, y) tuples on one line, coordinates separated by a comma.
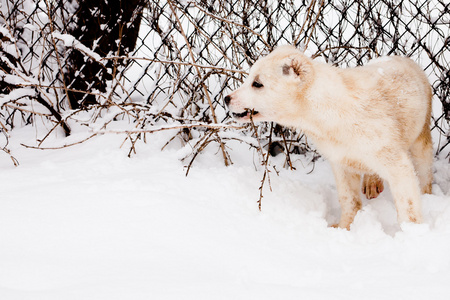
[(257, 85)]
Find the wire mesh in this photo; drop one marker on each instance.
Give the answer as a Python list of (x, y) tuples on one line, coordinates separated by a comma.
[(166, 62)]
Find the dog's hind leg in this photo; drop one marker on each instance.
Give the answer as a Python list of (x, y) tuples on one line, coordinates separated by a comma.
[(372, 185), (422, 155), (347, 184)]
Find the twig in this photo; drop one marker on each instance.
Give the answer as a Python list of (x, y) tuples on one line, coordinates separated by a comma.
[(322, 4), (265, 161), (307, 20), (6, 150), (63, 146), (182, 126), (58, 60), (172, 62), (318, 53), (200, 146), (231, 22), (58, 117), (287, 150), (213, 114)]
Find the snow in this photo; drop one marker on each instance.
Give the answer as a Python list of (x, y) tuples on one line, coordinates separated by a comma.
[(71, 41), (87, 222)]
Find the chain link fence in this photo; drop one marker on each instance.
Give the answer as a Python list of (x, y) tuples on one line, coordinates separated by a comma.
[(165, 64)]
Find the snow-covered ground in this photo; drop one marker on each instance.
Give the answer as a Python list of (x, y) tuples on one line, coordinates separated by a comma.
[(87, 222)]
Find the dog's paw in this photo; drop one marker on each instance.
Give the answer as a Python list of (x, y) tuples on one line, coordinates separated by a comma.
[(372, 186), (337, 226)]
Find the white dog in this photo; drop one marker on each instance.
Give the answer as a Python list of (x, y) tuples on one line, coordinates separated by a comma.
[(372, 120)]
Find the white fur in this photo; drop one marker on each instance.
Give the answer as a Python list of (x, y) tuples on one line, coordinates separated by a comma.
[(371, 120)]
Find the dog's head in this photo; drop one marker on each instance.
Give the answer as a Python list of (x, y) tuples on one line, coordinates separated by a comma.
[(273, 90)]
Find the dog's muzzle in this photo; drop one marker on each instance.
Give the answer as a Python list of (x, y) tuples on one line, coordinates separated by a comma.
[(247, 113)]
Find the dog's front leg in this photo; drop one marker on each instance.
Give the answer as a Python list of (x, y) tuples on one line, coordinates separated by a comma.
[(347, 184), (404, 185)]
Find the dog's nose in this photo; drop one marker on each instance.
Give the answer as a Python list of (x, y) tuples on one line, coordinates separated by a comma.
[(227, 100)]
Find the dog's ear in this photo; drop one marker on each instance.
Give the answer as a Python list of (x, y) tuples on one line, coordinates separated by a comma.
[(297, 65)]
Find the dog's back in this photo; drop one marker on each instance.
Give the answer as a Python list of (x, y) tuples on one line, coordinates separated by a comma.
[(388, 99)]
